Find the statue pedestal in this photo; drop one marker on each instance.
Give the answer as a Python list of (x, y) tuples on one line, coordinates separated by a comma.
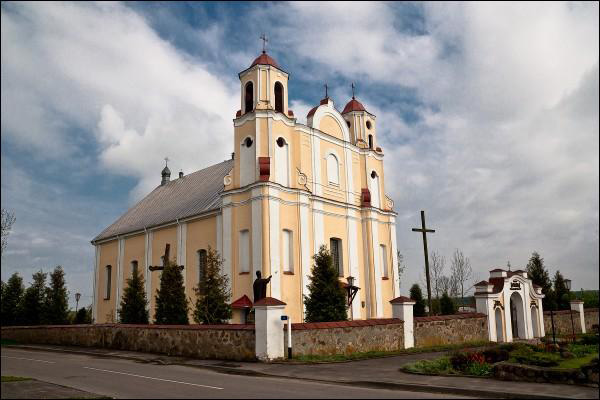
[(269, 328)]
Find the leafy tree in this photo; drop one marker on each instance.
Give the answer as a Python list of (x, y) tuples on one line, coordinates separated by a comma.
[(8, 219), (134, 304), (447, 305), (12, 294), (84, 316), (417, 295), (171, 304), (537, 272), (561, 293), (326, 300), (212, 292), (33, 304), (401, 267), (56, 310)]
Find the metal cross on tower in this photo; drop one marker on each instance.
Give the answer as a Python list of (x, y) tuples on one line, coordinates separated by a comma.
[(326, 96), (165, 260), (263, 37), (352, 89), (425, 231), (166, 161)]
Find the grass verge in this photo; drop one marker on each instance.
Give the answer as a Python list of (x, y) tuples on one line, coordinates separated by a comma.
[(577, 362), (318, 358), (14, 378)]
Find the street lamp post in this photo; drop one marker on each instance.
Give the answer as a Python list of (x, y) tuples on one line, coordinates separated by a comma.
[(77, 297), (568, 286)]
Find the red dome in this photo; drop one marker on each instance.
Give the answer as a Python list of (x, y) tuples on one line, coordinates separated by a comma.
[(264, 59), (353, 105)]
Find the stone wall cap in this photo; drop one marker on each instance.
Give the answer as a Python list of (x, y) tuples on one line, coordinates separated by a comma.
[(576, 301), (449, 317), (402, 299), (269, 301), (140, 326), (346, 324)]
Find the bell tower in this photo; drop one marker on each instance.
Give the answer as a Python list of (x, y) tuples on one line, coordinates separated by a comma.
[(361, 123)]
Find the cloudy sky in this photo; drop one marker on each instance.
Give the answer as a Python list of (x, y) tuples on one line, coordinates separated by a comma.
[(487, 115)]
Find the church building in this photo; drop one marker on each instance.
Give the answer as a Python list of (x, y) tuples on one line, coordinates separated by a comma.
[(287, 189)]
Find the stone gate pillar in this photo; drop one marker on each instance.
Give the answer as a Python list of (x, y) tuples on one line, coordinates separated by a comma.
[(268, 328), (402, 308), (577, 305)]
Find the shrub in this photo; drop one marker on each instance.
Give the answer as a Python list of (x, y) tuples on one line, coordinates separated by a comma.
[(495, 355), (439, 366), (479, 369), (459, 360), (475, 358), (581, 350), (527, 356), (588, 338)]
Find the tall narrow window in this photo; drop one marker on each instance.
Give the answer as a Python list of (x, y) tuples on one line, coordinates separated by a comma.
[(375, 190), (244, 251), (287, 247), (278, 97), (201, 264), (108, 282), (249, 97), (370, 141), (134, 268), (384, 261), (333, 170), (336, 254), (282, 162)]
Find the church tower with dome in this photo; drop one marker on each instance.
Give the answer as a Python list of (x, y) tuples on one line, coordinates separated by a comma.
[(288, 189)]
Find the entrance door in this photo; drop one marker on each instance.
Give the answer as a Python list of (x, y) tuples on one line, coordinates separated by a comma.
[(499, 329), (517, 316)]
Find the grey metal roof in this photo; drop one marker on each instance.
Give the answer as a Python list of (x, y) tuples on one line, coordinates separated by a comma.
[(180, 198)]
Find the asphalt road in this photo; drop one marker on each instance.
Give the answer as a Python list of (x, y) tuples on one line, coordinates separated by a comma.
[(121, 378)]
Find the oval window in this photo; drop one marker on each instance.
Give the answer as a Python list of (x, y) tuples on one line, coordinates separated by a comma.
[(280, 142), (373, 174), (248, 142), (368, 124)]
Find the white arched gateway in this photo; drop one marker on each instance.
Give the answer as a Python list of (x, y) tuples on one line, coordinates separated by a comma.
[(513, 305)]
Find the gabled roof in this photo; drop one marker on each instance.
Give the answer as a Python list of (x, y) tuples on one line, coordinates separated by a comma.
[(193, 194), (242, 302)]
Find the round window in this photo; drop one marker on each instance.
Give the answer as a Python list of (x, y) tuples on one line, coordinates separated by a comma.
[(248, 142), (368, 124), (348, 123), (280, 142), (373, 174)]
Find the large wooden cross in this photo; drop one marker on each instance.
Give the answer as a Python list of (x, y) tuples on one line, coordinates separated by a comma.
[(425, 231), (165, 260)]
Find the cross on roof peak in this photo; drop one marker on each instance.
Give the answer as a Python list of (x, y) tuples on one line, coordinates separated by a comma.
[(264, 38), (166, 161), (326, 95), (353, 90)]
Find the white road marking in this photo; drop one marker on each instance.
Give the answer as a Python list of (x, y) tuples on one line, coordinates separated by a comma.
[(156, 379), (30, 359)]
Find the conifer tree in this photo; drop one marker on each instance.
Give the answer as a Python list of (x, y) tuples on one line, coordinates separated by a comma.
[(56, 308), (33, 304), (417, 295), (539, 275), (134, 304), (83, 316), (561, 293), (447, 305), (12, 295), (212, 293), (171, 304), (326, 300)]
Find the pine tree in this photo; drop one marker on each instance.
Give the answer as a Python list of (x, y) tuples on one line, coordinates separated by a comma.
[(12, 295), (539, 275), (326, 300), (212, 293), (447, 305), (134, 304), (83, 316), (417, 295), (56, 308), (171, 304), (33, 302), (561, 293)]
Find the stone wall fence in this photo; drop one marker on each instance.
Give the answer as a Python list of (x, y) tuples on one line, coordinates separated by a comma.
[(450, 329), (576, 319), (226, 342)]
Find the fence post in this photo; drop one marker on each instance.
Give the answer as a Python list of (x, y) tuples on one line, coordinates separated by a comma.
[(577, 305), (268, 328), (402, 308)]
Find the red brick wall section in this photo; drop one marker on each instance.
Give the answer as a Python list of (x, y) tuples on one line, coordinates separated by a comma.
[(227, 342)]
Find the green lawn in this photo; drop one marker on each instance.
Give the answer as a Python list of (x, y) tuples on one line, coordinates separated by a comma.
[(577, 362), (7, 342), (378, 354), (14, 378)]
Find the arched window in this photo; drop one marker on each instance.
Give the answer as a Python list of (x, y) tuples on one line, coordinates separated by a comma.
[(247, 161), (108, 270), (278, 97), (333, 169), (201, 264), (249, 97), (134, 268), (370, 141), (335, 245)]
